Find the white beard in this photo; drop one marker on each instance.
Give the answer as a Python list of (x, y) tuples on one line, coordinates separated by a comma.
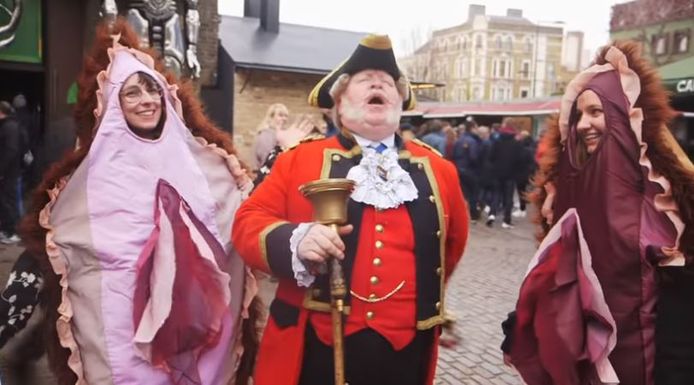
[(356, 119)]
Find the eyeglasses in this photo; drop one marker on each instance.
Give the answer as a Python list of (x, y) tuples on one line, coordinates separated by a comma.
[(135, 95)]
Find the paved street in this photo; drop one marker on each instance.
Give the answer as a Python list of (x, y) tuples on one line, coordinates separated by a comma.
[(481, 292)]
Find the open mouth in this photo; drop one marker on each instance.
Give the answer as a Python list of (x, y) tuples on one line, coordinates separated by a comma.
[(376, 100)]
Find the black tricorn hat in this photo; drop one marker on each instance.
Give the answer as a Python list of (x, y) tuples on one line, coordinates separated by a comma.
[(374, 52)]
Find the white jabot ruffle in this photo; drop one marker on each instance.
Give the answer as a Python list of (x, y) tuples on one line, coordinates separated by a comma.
[(380, 181), (303, 277)]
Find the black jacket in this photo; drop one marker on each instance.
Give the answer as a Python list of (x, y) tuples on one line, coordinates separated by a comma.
[(506, 157), (10, 147)]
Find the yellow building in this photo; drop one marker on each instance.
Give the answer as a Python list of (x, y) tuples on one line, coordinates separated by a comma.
[(490, 58)]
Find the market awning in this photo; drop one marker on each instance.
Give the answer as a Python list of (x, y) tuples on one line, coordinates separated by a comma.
[(678, 77)]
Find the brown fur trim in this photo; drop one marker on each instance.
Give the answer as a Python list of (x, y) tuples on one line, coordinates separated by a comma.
[(657, 113), (33, 234)]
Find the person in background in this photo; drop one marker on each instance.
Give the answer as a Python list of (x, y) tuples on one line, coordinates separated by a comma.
[(466, 156), (266, 139), (527, 168), (505, 157), (10, 171), (407, 132), (435, 135)]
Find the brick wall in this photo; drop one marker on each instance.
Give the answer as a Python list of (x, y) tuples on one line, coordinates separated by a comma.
[(256, 90), (208, 41)]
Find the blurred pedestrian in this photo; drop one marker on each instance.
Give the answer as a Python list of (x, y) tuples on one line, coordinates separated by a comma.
[(407, 131), (266, 139), (466, 156), (10, 170), (505, 157), (526, 168), (435, 136)]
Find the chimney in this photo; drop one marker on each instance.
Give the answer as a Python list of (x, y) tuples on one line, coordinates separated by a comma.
[(513, 12), (475, 10), (270, 15), (251, 8)]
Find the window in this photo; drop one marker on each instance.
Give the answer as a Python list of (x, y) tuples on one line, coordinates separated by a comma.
[(659, 44), (502, 69), (478, 67), (508, 43), (525, 71), (523, 93), (681, 41), (528, 45), (498, 42), (479, 41), (464, 43), (477, 93)]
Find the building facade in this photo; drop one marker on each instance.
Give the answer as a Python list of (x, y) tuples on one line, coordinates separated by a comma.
[(664, 28), (491, 58)]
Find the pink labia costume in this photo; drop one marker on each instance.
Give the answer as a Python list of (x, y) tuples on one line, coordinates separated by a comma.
[(586, 312), (152, 290)]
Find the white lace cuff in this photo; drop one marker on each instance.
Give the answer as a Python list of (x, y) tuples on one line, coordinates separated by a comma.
[(301, 274)]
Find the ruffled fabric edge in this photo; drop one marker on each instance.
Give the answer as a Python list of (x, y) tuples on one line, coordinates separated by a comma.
[(631, 86), (243, 181), (603, 366), (60, 267), (103, 76), (386, 191)]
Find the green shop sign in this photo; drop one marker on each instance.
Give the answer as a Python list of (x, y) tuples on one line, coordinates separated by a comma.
[(20, 31)]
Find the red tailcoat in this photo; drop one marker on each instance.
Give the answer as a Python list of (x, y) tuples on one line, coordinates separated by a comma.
[(264, 224)]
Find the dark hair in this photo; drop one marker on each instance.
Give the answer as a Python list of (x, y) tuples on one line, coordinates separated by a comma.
[(6, 108)]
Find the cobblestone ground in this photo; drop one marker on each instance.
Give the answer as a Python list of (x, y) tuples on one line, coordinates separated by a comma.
[(481, 292)]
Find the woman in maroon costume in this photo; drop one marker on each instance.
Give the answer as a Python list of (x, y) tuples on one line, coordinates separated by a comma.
[(617, 215)]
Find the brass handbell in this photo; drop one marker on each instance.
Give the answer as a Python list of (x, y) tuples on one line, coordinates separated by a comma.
[(329, 198)]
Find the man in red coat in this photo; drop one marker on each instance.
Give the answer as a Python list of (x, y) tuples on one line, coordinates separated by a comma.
[(408, 228)]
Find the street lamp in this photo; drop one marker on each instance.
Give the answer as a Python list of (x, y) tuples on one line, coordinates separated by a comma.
[(538, 24)]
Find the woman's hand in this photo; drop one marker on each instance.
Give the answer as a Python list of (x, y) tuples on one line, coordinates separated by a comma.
[(290, 136)]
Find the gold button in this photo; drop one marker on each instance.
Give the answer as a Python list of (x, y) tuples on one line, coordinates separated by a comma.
[(372, 296), (373, 280), (377, 261), (432, 199), (336, 158), (379, 228), (420, 166), (369, 315), (379, 244), (438, 305), (438, 233), (438, 271), (316, 292)]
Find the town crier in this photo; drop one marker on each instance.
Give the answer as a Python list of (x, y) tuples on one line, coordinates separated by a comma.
[(408, 226)]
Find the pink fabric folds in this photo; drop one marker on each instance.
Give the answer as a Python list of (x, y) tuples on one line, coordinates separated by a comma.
[(564, 330), (181, 296)]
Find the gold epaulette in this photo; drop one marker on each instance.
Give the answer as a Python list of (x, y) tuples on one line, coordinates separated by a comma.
[(428, 147), (307, 139)]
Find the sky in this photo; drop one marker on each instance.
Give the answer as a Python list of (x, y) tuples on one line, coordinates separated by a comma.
[(408, 22)]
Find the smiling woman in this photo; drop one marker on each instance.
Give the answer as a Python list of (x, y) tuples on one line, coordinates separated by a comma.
[(141, 100), (590, 126)]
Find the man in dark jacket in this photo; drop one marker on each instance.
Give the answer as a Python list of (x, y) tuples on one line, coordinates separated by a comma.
[(466, 151), (506, 156), (10, 169)]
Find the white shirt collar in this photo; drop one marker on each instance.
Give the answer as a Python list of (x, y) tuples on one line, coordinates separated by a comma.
[(389, 141)]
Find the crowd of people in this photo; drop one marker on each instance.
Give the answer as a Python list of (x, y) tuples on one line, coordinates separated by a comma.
[(144, 242), (494, 164)]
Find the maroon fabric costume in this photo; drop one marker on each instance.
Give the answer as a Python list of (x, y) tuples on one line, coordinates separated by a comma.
[(614, 200)]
